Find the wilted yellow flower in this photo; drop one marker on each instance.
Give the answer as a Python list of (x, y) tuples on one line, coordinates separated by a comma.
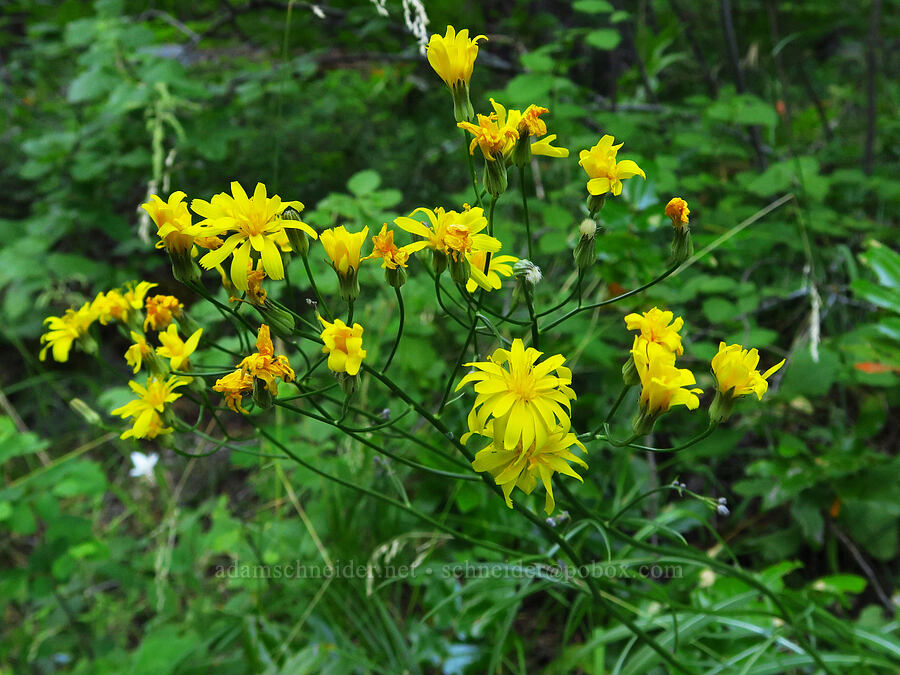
[(265, 365), (662, 384), (736, 373), (64, 330), (659, 327), (150, 405), (392, 256), (528, 124), (677, 209), (118, 306), (500, 265), (256, 222), (171, 218), (177, 351), (531, 399), (235, 386), (604, 172), (453, 55), (523, 466), (138, 351), (496, 139), (343, 346), (161, 309)]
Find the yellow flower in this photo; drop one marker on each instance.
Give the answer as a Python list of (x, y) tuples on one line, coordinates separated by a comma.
[(344, 248), (531, 122), (64, 330), (435, 235), (529, 400), (343, 346), (171, 218), (605, 174), (235, 386), (500, 265), (677, 209), (118, 306), (736, 373), (147, 409), (265, 365), (518, 467), (662, 384), (161, 309), (392, 256), (495, 138), (658, 326), (256, 222), (453, 55), (174, 349), (137, 352), (464, 239)]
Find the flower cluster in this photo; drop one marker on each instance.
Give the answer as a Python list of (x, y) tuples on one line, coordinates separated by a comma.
[(256, 374), (523, 406)]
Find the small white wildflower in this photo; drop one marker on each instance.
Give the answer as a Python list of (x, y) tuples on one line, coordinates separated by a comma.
[(722, 510), (143, 465)]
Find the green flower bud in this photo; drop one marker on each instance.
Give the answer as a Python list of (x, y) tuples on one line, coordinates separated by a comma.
[(89, 414), (629, 373), (279, 320), (395, 277), (298, 239)]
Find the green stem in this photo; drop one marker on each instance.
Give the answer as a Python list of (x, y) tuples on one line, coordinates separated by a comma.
[(462, 356), (471, 168), (610, 301), (575, 289), (696, 439), (525, 208), (312, 284), (399, 331), (535, 331), (350, 312)]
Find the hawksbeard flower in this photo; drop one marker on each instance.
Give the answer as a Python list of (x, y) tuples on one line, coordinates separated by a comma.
[(439, 219), (604, 172), (234, 387), (530, 399), (662, 384), (500, 265), (677, 209), (343, 346), (256, 223), (138, 351), (171, 218), (522, 466), (682, 246), (161, 309), (265, 365), (495, 138), (453, 56), (344, 249), (118, 306), (148, 409), (391, 255), (736, 375), (64, 330), (659, 327), (175, 349)]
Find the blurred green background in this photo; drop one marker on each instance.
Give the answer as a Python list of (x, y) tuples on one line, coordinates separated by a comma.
[(733, 106)]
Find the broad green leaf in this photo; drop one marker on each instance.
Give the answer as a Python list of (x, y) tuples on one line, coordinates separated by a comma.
[(605, 39), (593, 6)]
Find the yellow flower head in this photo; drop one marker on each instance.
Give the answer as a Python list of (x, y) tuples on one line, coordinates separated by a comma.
[(265, 365), (392, 255), (344, 248), (161, 309), (531, 122), (463, 239), (171, 218), (662, 384), (522, 467), (256, 223), (677, 209), (138, 351), (147, 409), (343, 346), (440, 220), (736, 373), (659, 327), (605, 174), (174, 349), (453, 55), (496, 138), (235, 386), (118, 306), (64, 330), (500, 265), (528, 124), (531, 399)]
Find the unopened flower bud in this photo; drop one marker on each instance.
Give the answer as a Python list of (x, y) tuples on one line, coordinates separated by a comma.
[(629, 373), (297, 238), (586, 250), (89, 414), (279, 320), (528, 272), (395, 277)]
